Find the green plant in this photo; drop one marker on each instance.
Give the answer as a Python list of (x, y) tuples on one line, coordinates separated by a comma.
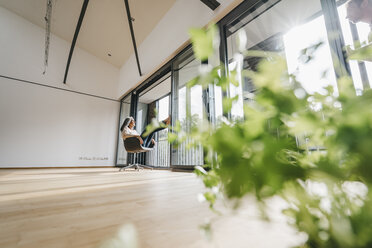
[(261, 154)]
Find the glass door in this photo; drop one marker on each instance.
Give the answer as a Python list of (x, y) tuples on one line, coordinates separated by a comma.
[(292, 28), (287, 27), (161, 154), (188, 109), (356, 34), (153, 102), (121, 158)]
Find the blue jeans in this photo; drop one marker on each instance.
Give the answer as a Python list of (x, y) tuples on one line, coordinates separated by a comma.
[(147, 139)]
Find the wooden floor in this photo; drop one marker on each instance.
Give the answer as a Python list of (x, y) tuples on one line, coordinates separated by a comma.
[(87, 207)]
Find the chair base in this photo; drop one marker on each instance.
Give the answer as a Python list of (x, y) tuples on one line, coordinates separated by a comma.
[(136, 166)]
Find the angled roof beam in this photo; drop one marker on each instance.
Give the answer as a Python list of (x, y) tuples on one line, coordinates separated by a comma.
[(212, 4), (80, 21), (130, 19)]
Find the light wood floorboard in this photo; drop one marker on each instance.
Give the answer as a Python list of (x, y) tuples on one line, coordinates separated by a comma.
[(83, 207)]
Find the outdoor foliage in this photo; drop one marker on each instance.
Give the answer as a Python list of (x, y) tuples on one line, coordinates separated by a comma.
[(266, 155)]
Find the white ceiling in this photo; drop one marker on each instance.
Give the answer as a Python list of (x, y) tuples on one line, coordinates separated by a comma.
[(105, 26), (156, 92)]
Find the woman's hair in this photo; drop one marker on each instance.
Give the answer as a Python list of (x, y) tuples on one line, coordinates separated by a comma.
[(126, 122)]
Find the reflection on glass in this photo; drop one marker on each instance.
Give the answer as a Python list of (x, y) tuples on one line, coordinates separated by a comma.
[(189, 112), (182, 105), (286, 27), (124, 113), (316, 74), (142, 120), (237, 108), (196, 109), (361, 36), (160, 155), (218, 110), (215, 92), (163, 108), (153, 103)]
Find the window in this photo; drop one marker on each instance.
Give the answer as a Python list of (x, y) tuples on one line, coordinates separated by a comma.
[(153, 102), (286, 27), (361, 72), (318, 72), (189, 111), (124, 113)]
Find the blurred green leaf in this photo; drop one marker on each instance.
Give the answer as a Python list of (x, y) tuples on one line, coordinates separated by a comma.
[(202, 41), (227, 103), (290, 143), (362, 53), (172, 137)]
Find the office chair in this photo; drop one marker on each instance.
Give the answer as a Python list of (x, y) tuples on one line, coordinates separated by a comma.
[(133, 145)]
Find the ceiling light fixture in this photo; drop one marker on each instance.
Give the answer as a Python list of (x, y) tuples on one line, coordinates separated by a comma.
[(212, 4)]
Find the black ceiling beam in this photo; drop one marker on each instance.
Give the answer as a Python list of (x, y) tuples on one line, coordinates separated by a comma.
[(130, 19), (80, 21), (212, 4)]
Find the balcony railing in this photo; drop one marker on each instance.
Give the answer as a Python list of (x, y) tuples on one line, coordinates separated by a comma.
[(188, 156), (159, 157)]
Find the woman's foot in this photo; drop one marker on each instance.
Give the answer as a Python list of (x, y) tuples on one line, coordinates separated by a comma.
[(167, 121)]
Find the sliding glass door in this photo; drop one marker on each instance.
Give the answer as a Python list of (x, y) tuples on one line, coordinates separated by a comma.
[(153, 103), (188, 109), (356, 34), (121, 158), (161, 154), (291, 28)]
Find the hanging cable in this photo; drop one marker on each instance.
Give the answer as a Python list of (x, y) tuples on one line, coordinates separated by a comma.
[(48, 19)]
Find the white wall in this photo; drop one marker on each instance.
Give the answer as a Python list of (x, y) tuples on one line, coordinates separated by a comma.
[(41, 126), (169, 34), (22, 56)]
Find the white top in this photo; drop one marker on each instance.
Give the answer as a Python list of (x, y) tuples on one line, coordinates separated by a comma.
[(127, 133)]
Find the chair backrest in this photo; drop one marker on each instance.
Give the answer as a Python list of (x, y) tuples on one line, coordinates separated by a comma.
[(133, 145)]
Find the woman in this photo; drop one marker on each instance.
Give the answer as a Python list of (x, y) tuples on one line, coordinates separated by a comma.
[(127, 131)]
